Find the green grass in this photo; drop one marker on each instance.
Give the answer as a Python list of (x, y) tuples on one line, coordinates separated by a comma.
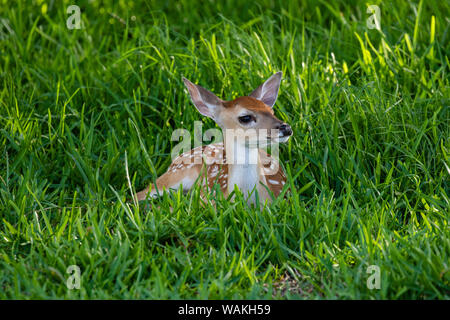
[(368, 164)]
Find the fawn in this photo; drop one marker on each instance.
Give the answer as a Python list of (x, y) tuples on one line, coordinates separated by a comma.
[(252, 124)]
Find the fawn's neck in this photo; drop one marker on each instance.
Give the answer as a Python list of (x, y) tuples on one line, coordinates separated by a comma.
[(243, 168)]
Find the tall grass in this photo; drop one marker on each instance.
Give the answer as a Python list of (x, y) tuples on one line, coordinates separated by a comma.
[(368, 165)]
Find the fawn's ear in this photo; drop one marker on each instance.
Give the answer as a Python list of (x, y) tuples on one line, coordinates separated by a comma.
[(268, 91), (206, 102)]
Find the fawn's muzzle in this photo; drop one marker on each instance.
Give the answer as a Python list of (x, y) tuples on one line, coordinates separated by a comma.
[(285, 130)]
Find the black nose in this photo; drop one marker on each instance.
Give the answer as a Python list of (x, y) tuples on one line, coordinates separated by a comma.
[(285, 129)]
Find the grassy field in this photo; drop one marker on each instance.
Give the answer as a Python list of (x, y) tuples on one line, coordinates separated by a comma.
[(86, 117)]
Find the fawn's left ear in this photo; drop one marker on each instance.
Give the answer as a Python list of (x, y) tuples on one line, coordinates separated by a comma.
[(206, 102), (268, 91)]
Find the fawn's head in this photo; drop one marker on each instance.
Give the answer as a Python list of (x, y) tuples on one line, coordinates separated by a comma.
[(250, 116)]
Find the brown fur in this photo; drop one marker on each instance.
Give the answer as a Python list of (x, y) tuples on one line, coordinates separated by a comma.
[(216, 169), (208, 164)]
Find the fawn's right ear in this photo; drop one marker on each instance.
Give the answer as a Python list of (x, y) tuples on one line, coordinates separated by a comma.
[(206, 102), (268, 91)]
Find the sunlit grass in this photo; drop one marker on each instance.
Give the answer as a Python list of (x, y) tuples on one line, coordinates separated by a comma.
[(368, 165)]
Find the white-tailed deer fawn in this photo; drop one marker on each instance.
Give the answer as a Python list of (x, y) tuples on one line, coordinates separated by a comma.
[(249, 123)]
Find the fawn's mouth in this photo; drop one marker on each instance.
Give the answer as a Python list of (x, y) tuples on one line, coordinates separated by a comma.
[(284, 134), (275, 136), (284, 139)]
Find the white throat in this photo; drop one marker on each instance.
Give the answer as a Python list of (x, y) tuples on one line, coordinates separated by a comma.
[(243, 168)]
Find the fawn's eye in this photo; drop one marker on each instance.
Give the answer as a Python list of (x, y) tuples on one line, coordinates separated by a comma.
[(245, 119)]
